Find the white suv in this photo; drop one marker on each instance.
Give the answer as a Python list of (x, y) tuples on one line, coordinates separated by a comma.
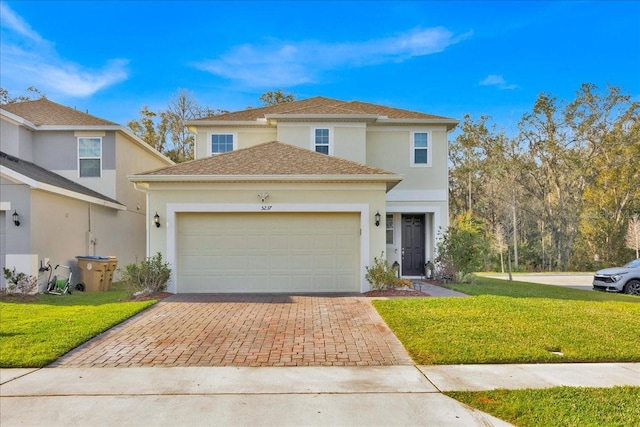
[(619, 279)]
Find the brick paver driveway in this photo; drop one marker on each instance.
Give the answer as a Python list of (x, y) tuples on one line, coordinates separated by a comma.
[(246, 330)]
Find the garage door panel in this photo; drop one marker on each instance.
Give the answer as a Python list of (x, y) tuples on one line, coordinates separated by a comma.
[(268, 252)]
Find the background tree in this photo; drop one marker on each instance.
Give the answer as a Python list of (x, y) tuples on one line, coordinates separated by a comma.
[(33, 93), (150, 129), (499, 244), (166, 130), (632, 239), (274, 97), (561, 187)]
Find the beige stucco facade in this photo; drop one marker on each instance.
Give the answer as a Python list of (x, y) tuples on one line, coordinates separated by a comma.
[(423, 190), (172, 199)]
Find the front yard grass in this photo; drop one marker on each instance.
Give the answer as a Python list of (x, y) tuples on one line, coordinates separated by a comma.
[(34, 334), (516, 322), (559, 406), (517, 289), (520, 322)]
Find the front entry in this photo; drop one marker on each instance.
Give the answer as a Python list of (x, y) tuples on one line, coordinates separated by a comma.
[(412, 245)]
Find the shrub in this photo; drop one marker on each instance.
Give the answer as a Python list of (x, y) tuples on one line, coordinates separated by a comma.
[(147, 277), (466, 278), (462, 248), (381, 275), (20, 282)]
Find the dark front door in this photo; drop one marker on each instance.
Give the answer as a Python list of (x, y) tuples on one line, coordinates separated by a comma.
[(412, 245)]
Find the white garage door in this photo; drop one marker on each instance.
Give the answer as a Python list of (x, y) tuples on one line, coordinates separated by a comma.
[(268, 252)]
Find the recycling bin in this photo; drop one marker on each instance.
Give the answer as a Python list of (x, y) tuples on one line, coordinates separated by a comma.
[(93, 272), (113, 263)]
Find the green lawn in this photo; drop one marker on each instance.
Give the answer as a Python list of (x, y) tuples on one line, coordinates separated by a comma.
[(519, 322), (516, 289), (34, 334), (559, 406), (529, 325)]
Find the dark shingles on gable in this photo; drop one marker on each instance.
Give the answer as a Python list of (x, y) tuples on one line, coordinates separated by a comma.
[(39, 174)]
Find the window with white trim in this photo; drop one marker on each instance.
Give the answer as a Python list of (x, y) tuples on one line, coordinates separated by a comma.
[(321, 141), (221, 143), (420, 149), (389, 229), (90, 157)]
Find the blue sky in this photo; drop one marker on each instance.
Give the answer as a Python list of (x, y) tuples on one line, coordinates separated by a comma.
[(445, 58)]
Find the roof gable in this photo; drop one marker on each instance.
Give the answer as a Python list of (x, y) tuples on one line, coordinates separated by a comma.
[(43, 112), (270, 158)]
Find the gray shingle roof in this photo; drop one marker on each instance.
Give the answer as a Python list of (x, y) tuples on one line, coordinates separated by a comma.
[(42, 175)]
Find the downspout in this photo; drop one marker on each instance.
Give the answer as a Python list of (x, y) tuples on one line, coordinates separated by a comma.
[(147, 218)]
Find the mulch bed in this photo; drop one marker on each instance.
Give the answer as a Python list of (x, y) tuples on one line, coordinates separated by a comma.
[(147, 297)]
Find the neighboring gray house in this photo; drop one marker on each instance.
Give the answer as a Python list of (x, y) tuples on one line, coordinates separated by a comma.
[(63, 172)]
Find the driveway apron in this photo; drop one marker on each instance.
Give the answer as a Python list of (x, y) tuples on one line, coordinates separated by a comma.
[(246, 330)]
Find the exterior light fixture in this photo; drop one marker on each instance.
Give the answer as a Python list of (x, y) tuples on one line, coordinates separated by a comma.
[(16, 218), (156, 220), (377, 217)]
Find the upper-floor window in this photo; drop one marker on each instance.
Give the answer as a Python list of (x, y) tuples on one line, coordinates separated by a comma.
[(90, 157), (321, 141), (420, 149), (221, 143)]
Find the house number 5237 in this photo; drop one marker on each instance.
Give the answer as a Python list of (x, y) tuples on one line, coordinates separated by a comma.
[(266, 207)]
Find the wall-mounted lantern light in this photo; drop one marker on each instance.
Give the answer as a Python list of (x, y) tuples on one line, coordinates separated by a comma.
[(156, 220), (16, 218), (377, 217)]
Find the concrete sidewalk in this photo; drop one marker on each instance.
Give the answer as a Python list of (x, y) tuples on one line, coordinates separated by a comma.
[(300, 396)]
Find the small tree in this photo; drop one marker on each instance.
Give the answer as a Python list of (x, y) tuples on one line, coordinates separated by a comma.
[(632, 239), (499, 243), (462, 248)]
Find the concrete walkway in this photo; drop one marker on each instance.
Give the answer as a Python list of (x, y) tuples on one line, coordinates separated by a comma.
[(436, 291), (581, 281), (278, 396)]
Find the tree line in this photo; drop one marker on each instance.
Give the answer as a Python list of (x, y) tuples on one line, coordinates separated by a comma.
[(562, 193)]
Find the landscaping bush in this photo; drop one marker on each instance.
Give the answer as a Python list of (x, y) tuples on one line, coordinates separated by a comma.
[(147, 277), (381, 275), (462, 249), (20, 282)]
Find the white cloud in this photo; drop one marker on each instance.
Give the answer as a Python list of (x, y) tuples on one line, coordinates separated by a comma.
[(499, 81), (12, 21), (288, 64), (28, 60)]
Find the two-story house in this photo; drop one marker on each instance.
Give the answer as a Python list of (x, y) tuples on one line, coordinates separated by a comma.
[(300, 197), (64, 190)]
